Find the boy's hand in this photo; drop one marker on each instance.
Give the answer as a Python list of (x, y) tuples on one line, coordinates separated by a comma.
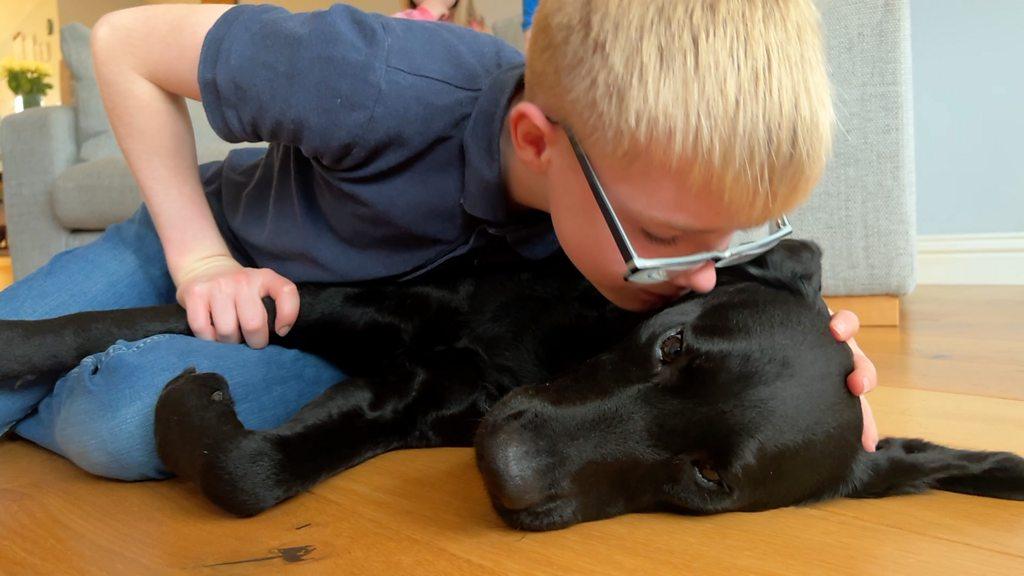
[(223, 300), (864, 377)]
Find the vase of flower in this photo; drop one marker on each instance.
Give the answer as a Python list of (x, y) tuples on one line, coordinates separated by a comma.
[(32, 100), (27, 79)]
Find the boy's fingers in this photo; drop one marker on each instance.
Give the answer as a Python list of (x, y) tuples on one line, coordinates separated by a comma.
[(252, 317), (844, 325), (864, 377), (225, 319), (286, 302), (869, 438), (197, 309)]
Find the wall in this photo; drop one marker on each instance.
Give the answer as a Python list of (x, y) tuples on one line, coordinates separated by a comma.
[(969, 115), (89, 11), (494, 10)]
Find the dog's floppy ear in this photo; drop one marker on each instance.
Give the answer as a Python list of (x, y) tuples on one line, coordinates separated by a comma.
[(906, 466), (792, 264)]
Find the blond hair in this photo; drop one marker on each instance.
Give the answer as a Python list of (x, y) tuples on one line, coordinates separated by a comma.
[(737, 88)]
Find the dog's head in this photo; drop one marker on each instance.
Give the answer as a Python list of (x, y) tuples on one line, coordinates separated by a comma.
[(734, 400)]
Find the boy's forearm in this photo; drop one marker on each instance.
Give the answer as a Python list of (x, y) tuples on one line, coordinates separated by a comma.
[(142, 84), (154, 131)]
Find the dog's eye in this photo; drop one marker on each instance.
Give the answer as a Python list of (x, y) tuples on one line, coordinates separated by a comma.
[(670, 348), (707, 473)]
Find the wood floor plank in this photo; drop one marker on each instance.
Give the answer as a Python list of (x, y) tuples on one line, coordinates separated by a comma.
[(425, 512), (954, 339), (79, 522), (960, 420), (835, 535), (6, 272), (872, 310)]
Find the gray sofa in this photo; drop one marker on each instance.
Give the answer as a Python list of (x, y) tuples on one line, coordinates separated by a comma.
[(65, 181)]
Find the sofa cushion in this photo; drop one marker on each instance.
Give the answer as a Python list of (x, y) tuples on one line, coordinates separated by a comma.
[(863, 211), (94, 195)]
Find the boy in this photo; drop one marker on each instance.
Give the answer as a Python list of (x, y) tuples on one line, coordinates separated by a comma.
[(394, 147)]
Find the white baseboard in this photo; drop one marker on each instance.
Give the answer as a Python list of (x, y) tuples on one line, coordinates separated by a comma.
[(971, 259)]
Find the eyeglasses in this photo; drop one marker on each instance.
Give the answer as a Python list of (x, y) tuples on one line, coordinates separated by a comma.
[(654, 270)]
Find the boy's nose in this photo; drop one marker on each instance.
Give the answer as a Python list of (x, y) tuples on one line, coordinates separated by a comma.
[(701, 279)]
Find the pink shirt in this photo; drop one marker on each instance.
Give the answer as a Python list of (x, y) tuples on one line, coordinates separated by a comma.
[(417, 13)]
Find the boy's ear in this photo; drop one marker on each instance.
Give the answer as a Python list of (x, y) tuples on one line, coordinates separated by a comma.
[(531, 133), (906, 466), (792, 264)]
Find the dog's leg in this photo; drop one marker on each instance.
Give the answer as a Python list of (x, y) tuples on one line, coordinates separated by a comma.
[(341, 324), (245, 472), (58, 344)]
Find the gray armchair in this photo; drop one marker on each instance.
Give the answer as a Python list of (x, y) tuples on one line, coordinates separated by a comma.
[(863, 212)]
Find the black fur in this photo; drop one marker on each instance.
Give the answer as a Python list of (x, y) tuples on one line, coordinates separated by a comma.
[(735, 400)]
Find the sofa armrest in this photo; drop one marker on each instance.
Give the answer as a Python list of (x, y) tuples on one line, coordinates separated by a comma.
[(863, 213), (37, 145)]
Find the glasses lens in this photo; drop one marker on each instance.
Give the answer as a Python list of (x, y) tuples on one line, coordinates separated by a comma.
[(745, 245), (749, 235), (661, 273), (738, 259), (652, 276), (740, 255)]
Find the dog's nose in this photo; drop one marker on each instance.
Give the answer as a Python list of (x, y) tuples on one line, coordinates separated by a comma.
[(513, 464)]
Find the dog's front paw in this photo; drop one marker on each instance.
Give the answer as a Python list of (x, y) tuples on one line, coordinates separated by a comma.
[(199, 437), (195, 416), (246, 476), (196, 403)]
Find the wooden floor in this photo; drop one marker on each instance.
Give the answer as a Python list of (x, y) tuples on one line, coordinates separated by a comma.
[(6, 274), (953, 373)]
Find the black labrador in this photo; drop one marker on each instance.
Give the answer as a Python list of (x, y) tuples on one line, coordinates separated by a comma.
[(734, 400)]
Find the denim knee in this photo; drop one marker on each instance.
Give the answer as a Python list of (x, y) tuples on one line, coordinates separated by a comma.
[(102, 412), (103, 419)]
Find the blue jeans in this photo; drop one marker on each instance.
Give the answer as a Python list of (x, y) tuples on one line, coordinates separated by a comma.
[(100, 414)]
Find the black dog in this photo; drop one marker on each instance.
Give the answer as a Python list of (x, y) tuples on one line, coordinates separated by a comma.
[(735, 400)]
